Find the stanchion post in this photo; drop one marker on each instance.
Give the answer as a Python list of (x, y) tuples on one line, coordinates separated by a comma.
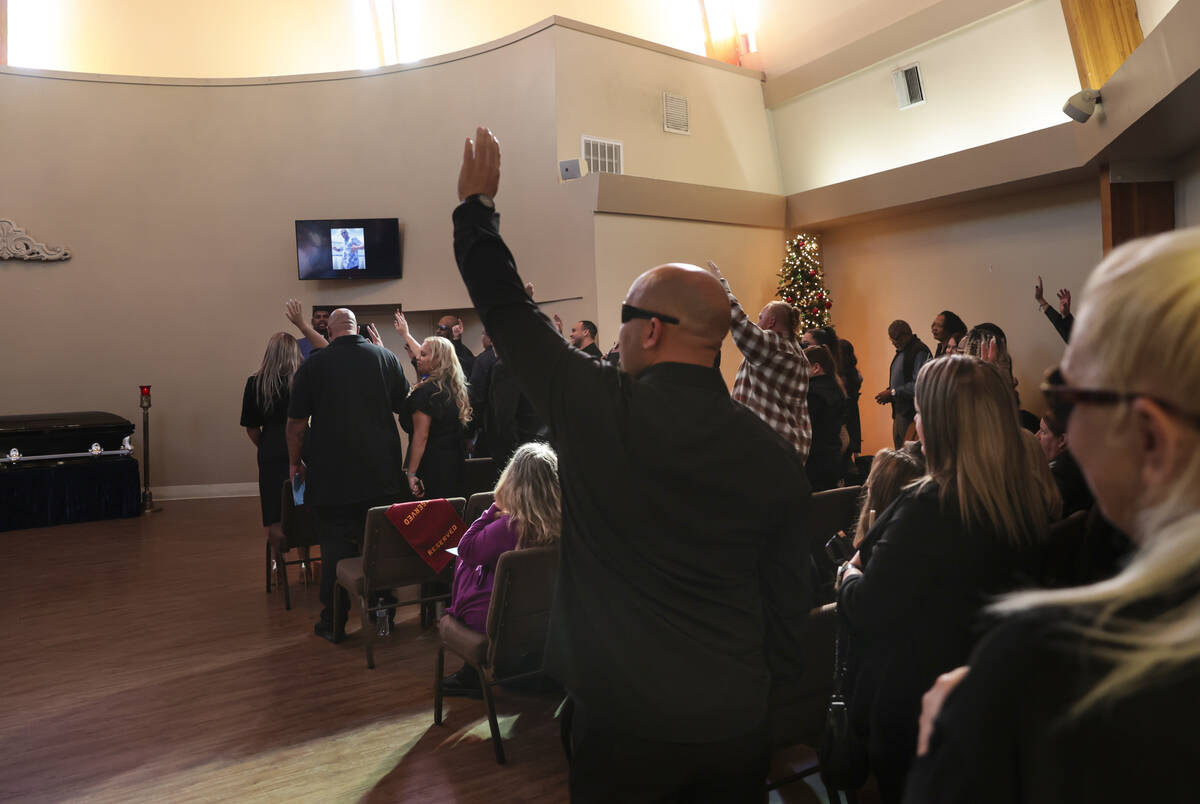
[(147, 496)]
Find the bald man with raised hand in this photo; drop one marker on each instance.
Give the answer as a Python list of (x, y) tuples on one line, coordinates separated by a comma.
[(682, 577), (773, 378)]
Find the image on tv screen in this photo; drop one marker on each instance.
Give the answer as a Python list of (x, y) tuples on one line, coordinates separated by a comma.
[(339, 249)]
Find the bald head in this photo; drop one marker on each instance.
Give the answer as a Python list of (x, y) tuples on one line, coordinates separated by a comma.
[(342, 322), (682, 291), (779, 316)]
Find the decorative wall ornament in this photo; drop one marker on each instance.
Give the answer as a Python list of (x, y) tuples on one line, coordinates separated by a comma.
[(16, 245)]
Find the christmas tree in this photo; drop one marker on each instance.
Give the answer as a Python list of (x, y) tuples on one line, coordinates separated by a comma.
[(802, 282)]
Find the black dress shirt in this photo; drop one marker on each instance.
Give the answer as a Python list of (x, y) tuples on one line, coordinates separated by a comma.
[(592, 350), (684, 571), (353, 452)]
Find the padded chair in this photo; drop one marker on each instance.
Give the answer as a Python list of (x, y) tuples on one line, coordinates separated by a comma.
[(796, 710), (517, 621), (388, 562), (295, 529), (477, 505), (828, 512), (479, 474)]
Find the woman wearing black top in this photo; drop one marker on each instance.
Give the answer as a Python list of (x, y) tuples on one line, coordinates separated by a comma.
[(1092, 694), (435, 418), (827, 412), (264, 415), (960, 535)]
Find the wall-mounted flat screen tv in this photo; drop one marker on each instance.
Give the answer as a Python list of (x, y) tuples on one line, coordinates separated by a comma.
[(349, 248)]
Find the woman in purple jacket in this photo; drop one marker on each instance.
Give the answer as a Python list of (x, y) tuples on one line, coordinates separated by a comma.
[(527, 512)]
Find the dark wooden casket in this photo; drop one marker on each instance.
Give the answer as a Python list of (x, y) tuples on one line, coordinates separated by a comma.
[(61, 435)]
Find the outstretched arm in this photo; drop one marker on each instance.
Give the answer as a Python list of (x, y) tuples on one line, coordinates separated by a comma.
[(410, 343), (755, 343), (295, 314)]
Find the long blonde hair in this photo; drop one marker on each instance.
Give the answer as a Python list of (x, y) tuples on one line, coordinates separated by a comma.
[(529, 492), (446, 373), (891, 471), (1140, 323), (279, 365), (974, 454)]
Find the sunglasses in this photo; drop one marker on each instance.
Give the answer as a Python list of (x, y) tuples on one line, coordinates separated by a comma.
[(1062, 398), (629, 312)]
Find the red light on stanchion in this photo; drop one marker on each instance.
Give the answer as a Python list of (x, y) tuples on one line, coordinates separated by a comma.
[(145, 389)]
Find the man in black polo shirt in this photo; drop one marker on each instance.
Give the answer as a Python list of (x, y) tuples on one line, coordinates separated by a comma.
[(350, 391), (683, 575)]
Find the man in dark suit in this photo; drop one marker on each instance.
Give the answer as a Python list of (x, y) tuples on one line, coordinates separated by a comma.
[(683, 575)]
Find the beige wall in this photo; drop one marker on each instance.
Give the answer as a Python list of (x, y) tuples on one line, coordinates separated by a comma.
[(178, 203), (1151, 13), (236, 38), (614, 90), (1006, 75), (980, 260), (627, 245)]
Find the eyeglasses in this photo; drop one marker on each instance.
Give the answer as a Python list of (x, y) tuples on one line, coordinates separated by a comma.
[(447, 327), (1062, 398), (629, 312)]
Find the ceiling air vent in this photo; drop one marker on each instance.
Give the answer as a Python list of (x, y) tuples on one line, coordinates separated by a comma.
[(909, 91), (675, 114), (602, 156)]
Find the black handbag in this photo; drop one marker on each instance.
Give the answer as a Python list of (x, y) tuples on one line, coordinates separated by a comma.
[(842, 754)]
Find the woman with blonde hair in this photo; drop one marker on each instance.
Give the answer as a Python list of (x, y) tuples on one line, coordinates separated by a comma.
[(527, 512), (966, 531), (264, 415), (892, 470), (435, 417), (1091, 694)]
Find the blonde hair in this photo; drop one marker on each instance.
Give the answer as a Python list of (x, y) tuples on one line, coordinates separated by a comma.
[(446, 373), (891, 471), (274, 375), (528, 491), (974, 454), (1148, 293)]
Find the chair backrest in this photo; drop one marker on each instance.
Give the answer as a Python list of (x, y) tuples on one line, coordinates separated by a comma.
[(477, 505), (831, 511), (295, 520), (388, 559), (479, 474), (519, 615)]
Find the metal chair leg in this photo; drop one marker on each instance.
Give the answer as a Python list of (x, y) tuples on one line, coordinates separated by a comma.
[(369, 631), (438, 674), (281, 562), (497, 743), (268, 566)]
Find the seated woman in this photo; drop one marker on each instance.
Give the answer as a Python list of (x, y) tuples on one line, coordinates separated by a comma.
[(1052, 436), (827, 412), (891, 471), (435, 417), (527, 512), (1091, 694), (966, 531)]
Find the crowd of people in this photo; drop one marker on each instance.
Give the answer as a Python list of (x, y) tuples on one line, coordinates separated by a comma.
[(1022, 599)]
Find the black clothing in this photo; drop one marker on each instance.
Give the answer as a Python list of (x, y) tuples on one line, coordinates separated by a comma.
[(1076, 495), (913, 616), (676, 567), (827, 411), (853, 382), (351, 388), (592, 350), (1005, 734), (340, 531), (273, 464), (477, 392), (1061, 323), (1083, 549), (611, 765), (441, 468), (466, 358), (512, 421)]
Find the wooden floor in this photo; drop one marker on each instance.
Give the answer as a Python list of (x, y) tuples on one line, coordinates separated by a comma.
[(143, 661)]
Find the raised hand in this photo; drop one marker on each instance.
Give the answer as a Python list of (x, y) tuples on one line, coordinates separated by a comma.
[(480, 171), (713, 269), (456, 330), (295, 312), (1037, 292), (529, 289), (373, 335), (401, 324), (558, 324), (1064, 302)]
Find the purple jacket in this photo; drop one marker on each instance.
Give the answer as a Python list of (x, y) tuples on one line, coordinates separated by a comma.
[(478, 551)]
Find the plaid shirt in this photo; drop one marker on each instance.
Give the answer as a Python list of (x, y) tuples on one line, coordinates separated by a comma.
[(773, 378)]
